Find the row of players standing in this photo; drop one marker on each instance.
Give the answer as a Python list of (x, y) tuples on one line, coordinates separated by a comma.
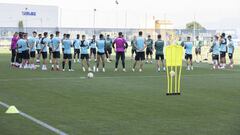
[(26, 48), (220, 46)]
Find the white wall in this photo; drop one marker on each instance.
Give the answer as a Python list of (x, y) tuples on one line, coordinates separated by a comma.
[(46, 16)]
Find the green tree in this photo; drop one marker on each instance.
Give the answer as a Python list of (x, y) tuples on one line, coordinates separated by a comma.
[(198, 26), (20, 26)]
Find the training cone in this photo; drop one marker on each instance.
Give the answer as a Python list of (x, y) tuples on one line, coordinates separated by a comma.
[(12, 110)]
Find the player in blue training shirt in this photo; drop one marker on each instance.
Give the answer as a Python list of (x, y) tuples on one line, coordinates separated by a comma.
[(21, 42), (56, 51), (50, 48), (45, 41), (38, 48), (223, 51), (63, 38), (67, 43), (25, 48), (188, 45), (230, 50), (76, 46), (108, 48), (32, 41), (85, 53), (140, 47), (93, 50), (215, 50), (101, 44)]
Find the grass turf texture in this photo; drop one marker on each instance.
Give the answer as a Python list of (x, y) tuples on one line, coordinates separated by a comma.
[(120, 103)]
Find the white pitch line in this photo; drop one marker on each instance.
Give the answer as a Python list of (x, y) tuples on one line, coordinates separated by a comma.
[(41, 123), (107, 77)]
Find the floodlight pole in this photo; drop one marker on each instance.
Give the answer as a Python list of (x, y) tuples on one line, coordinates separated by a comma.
[(146, 22), (194, 27), (60, 18), (165, 31), (125, 24), (94, 20), (116, 2), (154, 28), (26, 19)]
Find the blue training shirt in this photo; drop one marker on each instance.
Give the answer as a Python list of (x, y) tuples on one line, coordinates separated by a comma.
[(101, 46), (230, 47), (215, 48), (76, 44), (84, 47), (25, 45), (22, 45), (223, 45), (92, 43), (188, 47), (46, 43), (56, 44), (32, 43), (67, 46), (38, 44), (140, 43)]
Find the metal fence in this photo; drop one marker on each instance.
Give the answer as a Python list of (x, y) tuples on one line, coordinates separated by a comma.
[(7, 32)]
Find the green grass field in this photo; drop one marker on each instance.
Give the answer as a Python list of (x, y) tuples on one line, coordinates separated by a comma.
[(120, 103)]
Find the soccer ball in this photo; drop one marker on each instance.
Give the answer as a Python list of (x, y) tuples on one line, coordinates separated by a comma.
[(90, 75), (172, 73)]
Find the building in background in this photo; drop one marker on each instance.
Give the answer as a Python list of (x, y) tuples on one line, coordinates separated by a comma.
[(48, 18), (30, 15)]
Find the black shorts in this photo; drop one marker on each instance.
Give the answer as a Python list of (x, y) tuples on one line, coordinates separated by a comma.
[(198, 51), (222, 54), (93, 51), (38, 51), (230, 55), (134, 51), (108, 50), (50, 50), (44, 55), (140, 56), (76, 51), (67, 56), (188, 56), (215, 57), (33, 54), (84, 56), (25, 54), (99, 53), (149, 51), (56, 55), (19, 55), (159, 56)]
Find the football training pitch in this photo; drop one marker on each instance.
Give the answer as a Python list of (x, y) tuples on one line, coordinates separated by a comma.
[(118, 103)]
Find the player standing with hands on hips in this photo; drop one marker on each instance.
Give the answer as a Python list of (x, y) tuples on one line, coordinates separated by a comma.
[(140, 47), (120, 45)]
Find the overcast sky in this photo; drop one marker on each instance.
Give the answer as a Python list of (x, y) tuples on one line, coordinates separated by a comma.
[(213, 14)]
